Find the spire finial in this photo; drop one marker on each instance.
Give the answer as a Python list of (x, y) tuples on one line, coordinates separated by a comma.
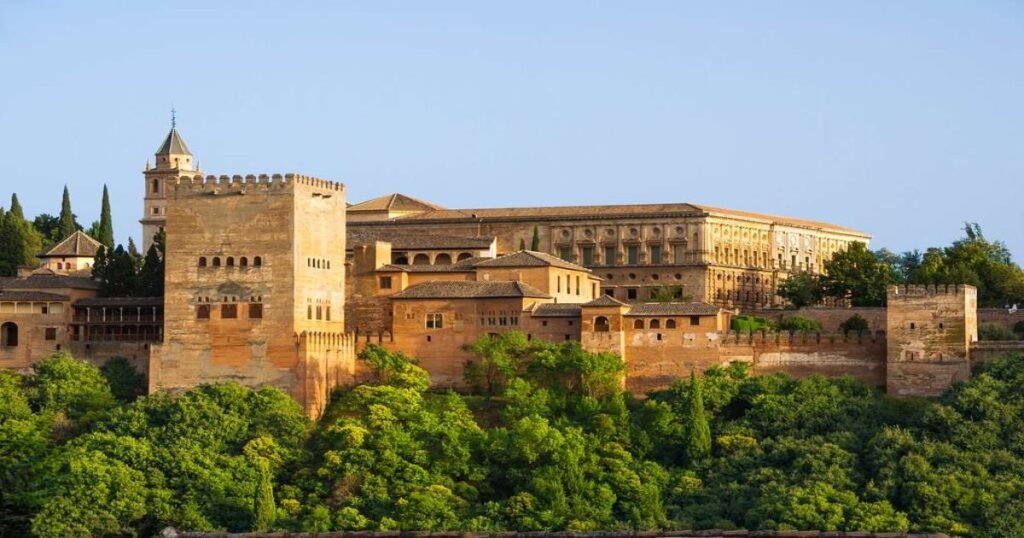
[(173, 117)]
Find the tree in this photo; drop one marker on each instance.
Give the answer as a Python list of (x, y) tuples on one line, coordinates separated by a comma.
[(698, 431), (855, 274), (106, 224), (151, 274), (46, 225), (264, 511), (800, 289), (19, 242), (535, 242), (522, 243), (67, 224), (855, 323), (801, 324), (668, 294), (126, 383), (117, 273)]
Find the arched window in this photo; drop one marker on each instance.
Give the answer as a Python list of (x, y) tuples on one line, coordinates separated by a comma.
[(202, 261), (216, 261), (8, 335), (638, 324), (156, 186), (230, 262), (421, 259), (257, 261), (60, 266), (601, 324), (243, 262), (670, 324), (655, 324), (464, 256), (443, 259)]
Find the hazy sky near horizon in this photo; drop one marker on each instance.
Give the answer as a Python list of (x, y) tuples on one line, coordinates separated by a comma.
[(902, 119)]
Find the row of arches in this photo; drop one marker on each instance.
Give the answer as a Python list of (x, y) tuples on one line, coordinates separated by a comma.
[(602, 324), (229, 261), (423, 258)]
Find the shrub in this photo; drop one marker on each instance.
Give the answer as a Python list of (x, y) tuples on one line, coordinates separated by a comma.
[(126, 383), (1019, 328), (799, 324), (991, 331), (749, 324), (854, 324)]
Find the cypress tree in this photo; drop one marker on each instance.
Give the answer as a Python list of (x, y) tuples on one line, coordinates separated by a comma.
[(8, 240), (106, 228), (535, 244), (264, 511), (133, 250), (16, 207), (23, 242), (66, 224), (151, 275), (698, 432)]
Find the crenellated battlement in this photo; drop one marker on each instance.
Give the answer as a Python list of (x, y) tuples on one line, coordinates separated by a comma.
[(929, 290), (236, 183)]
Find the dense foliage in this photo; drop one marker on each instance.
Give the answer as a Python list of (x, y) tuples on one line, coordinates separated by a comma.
[(860, 277), (557, 446)]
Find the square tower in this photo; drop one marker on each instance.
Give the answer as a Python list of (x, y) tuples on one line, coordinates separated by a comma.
[(929, 331), (255, 285)]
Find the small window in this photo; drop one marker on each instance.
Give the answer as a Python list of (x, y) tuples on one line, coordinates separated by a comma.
[(609, 292), (203, 311), (913, 326), (694, 320), (216, 261), (631, 293), (385, 283), (243, 262), (319, 313), (230, 262), (228, 311), (655, 254), (309, 311), (255, 311), (51, 333), (435, 321), (327, 312), (609, 255), (202, 261), (670, 324), (632, 255), (655, 324), (565, 253), (257, 261), (638, 324)]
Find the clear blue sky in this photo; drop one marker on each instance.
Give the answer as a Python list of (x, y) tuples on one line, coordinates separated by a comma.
[(902, 119)]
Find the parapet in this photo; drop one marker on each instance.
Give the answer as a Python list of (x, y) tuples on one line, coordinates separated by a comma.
[(929, 290), (241, 184)]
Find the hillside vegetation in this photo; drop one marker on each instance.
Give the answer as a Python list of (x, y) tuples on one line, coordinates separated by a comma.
[(549, 443)]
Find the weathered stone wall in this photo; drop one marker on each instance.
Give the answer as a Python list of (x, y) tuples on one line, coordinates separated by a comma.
[(929, 331), (985, 351), (1000, 316)]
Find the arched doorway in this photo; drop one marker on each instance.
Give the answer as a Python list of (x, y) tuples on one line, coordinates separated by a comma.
[(8, 335), (601, 324), (421, 259), (442, 259)]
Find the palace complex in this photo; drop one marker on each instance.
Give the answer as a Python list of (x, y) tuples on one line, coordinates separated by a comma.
[(276, 279)]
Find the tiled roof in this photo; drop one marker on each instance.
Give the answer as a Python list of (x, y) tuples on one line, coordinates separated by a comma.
[(76, 244), (605, 300), (557, 310), (469, 289), (120, 301), (614, 211), (673, 309), (410, 241), (529, 258), (31, 296), (394, 202), (174, 144), (43, 281)]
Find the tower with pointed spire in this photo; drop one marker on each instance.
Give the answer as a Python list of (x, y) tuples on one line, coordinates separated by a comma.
[(172, 159)]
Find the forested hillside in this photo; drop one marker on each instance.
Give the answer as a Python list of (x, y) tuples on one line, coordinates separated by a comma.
[(549, 442)]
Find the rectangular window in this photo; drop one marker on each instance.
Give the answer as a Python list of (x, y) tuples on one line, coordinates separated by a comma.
[(694, 320), (793, 261), (319, 313), (588, 256), (655, 254), (228, 311), (435, 321), (609, 255), (678, 254), (578, 285), (203, 311), (51, 333), (632, 255), (255, 311), (631, 293), (385, 283), (609, 292), (565, 253)]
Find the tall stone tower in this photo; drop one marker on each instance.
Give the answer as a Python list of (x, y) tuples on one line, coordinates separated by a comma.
[(255, 285), (172, 159), (929, 331)]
